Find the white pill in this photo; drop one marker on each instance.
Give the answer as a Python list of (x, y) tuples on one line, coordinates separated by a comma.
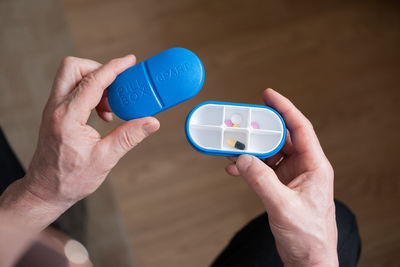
[(236, 118)]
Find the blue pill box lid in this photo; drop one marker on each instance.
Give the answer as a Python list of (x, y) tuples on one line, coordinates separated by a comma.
[(156, 84), (211, 126)]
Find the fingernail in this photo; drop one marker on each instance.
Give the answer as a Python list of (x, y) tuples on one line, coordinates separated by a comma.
[(151, 127), (244, 162)]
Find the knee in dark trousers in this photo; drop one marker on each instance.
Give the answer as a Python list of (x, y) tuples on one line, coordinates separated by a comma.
[(254, 245)]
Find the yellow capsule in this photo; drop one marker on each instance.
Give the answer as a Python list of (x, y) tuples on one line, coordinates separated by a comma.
[(236, 126), (231, 142), (235, 143)]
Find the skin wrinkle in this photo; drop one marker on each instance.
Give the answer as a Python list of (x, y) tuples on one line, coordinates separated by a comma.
[(313, 235), (72, 160), (301, 213)]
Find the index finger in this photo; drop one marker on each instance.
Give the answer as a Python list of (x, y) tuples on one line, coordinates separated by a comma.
[(70, 72), (89, 91), (302, 134)]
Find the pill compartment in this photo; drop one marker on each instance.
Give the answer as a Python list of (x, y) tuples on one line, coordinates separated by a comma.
[(238, 135), (263, 142), (211, 115), (208, 133), (207, 137), (265, 119), (232, 112)]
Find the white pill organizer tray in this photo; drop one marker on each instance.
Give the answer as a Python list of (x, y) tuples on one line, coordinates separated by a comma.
[(231, 129)]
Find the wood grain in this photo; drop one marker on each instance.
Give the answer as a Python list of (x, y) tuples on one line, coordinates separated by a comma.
[(337, 60)]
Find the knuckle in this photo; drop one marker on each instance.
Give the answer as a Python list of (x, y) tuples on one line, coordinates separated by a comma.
[(128, 141), (257, 178), (308, 124), (256, 182), (258, 174), (289, 206), (306, 129), (56, 122), (57, 115), (329, 169), (88, 80), (69, 60)]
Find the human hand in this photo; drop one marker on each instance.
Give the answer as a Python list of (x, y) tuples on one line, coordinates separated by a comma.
[(72, 159), (296, 189)]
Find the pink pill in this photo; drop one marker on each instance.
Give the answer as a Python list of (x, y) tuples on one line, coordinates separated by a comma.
[(254, 125), (228, 123)]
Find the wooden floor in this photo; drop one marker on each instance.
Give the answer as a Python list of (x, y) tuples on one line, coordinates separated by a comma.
[(339, 61)]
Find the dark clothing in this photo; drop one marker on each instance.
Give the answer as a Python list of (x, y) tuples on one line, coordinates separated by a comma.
[(11, 168), (254, 244)]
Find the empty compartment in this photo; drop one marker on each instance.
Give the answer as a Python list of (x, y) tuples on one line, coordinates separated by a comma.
[(206, 137), (265, 119), (240, 135), (208, 114), (235, 115), (264, 142)]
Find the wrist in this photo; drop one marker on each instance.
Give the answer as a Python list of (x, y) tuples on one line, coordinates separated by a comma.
[(329, 260), (24, 209)]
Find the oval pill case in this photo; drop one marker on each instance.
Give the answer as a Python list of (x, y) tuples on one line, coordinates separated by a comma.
[(231, 129), (156, 84)]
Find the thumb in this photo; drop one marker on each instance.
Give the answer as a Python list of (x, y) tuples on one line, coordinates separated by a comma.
[(262, 180), (127, 136)]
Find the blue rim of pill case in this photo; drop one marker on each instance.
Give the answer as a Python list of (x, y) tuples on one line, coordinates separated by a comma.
[(233, 153)]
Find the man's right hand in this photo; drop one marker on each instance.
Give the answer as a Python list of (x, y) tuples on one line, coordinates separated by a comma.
[(296, 188)]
